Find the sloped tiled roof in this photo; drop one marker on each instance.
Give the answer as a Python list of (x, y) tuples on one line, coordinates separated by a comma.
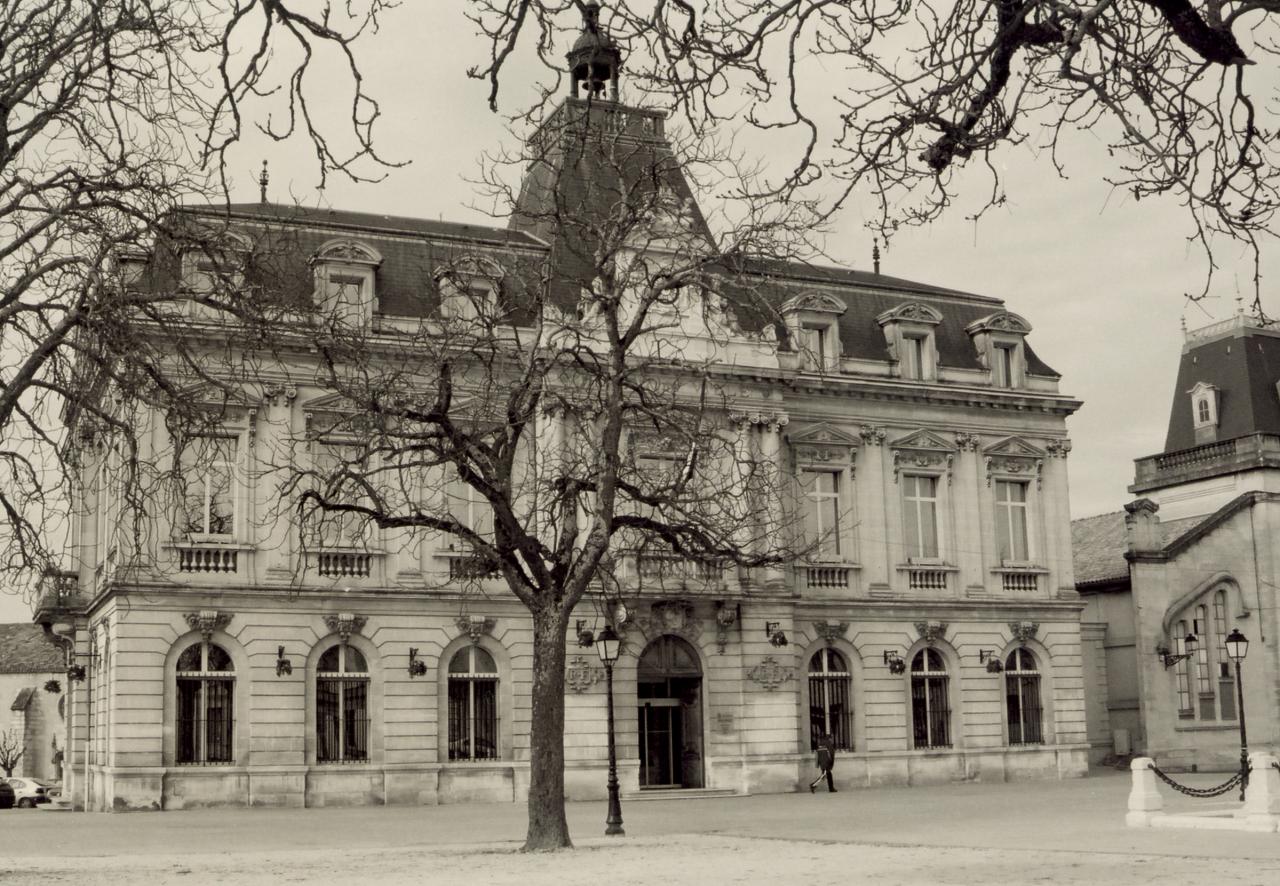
[(27, 649), (1099, 543), (1098, 547)]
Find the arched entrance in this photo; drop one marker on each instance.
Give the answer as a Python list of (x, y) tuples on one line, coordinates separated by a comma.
[(669, 691)]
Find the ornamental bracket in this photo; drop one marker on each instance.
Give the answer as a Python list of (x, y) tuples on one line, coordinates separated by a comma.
[(344, 624), (206, 621)]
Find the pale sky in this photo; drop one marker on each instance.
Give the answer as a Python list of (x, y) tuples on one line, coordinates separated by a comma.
[(1099, 277)]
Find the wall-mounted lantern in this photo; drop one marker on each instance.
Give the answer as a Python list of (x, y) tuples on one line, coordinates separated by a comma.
[(773, 630), (417, 667), (586, 638), (893, 659), (993, 662), (283, 665), (1170, 659)]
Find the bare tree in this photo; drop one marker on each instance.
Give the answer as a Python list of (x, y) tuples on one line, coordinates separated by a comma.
[(112, 113), (11, 751), (890, 99)]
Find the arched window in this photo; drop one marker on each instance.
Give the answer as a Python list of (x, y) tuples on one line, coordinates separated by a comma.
[(1183, 675), (342, 706), (1022, 698), (473, 705), (930, 701), (1226, 677), (829, 710), (205, 710), (1204, 680)]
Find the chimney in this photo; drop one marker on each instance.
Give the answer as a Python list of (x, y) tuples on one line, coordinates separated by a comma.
[(1142, 526)]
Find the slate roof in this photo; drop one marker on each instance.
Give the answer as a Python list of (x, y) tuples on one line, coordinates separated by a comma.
[(27, 649), (1099, 543), (1245, 368), (555, 188)]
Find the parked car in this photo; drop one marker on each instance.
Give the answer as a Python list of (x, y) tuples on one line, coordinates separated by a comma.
[(6, 795), (28, 792)]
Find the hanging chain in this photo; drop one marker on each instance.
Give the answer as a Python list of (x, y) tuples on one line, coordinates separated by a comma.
[(1203, 793)]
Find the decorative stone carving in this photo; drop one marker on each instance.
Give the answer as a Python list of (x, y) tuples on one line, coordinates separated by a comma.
[(1001, 321), (1014, 456), (475, 626), (770, 674), (817, 302), (726, 617), (911, 312), (922, 449), (580, 674), (277, 394), (344, 624), (1024, 630), (206, 621), (872, 435), (765, 420), (830, 632), (671, 617), (931, 631), (823, 444), (1058, 448), (967, 442)]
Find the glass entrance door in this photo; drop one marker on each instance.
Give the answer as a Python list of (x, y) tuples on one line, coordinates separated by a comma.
[(669, 693)]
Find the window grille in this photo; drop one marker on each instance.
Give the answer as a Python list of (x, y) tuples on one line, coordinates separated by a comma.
[(205, 723), (930, 700), (1022, 699), (829, 708), (473, 705), (342, 706)]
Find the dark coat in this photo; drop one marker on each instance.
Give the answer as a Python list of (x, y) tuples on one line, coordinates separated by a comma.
[(825, 756)]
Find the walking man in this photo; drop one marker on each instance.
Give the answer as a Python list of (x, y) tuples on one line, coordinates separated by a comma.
[(825, 757)]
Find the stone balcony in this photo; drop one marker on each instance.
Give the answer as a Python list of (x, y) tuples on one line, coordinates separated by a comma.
[(1208, 460)]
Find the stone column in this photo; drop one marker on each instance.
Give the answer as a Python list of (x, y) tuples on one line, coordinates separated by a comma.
[(773, 455)]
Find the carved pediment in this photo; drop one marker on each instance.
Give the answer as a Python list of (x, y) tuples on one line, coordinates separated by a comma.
[(347, 252), (817, 302), (823, 443), (1000, 321), (1014, 455), (212, 397), (1014, 447), (910, 312), (924, 440)]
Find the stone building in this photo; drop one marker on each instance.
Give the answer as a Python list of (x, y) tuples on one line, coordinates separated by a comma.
[(31, 707), (1192, 555), (935, 631)]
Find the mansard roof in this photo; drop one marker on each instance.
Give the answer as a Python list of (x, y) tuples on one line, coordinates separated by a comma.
[(1242, 361)]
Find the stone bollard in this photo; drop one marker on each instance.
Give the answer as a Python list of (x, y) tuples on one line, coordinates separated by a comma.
[(1261, 810), (1144, 799)]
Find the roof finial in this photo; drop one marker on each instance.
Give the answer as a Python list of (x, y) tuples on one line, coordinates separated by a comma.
[(263, 178), (875, 254), (594, 58)]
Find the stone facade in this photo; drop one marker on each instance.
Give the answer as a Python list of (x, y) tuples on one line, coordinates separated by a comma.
[(945, 602), (29, 660)]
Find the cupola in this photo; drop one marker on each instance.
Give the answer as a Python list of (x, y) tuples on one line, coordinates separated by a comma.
[(594, 60)]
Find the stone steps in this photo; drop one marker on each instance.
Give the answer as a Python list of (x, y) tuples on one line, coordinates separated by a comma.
[(680, 794)]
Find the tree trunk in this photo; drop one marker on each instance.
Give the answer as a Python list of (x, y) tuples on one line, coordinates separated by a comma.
[(548, 828)]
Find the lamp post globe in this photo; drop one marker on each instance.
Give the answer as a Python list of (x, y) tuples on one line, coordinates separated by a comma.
[(608, 645), (1237, 645)]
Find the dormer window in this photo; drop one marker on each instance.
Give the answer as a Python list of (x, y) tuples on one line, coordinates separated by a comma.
[(1204, 412), (910, 340), (345, 273), (131, 265), (470, 289), (999, 340), (813, 322), (212, 266)]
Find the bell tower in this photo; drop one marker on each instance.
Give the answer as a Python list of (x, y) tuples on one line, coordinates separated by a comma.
[(594, 59)]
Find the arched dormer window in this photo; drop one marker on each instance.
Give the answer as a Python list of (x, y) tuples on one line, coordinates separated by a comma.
[(1204, 411), (812, 320), (471, 289), (999, 340), (909, 336), (345, 277)]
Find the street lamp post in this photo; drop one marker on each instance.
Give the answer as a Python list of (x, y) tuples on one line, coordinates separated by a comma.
[(1237, 648), (608, 646)]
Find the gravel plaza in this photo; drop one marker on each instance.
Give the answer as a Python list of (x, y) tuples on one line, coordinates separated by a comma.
[(1069, 832)]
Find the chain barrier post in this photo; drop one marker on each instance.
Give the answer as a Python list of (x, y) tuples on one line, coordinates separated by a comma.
[(1144, 798), (1262, 800)]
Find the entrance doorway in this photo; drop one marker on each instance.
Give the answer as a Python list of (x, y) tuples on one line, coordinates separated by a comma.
[(669, 692)]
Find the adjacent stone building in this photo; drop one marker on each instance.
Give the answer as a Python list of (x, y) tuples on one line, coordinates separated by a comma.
[(935, 632), (1193, 555), (31, 706)]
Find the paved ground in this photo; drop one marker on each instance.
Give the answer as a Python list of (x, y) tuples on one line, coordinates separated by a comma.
[(1068, 832)]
